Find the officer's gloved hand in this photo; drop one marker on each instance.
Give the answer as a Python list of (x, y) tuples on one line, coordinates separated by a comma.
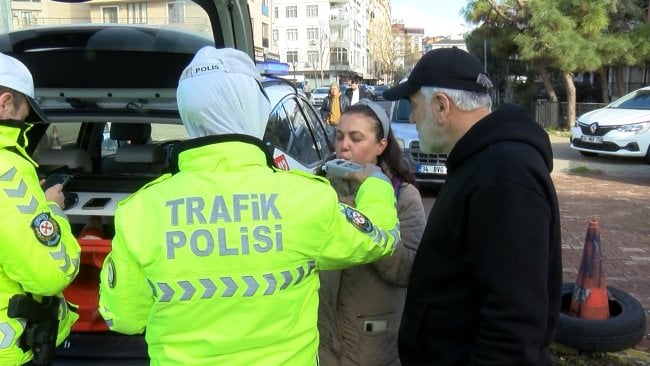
[(369, 170)]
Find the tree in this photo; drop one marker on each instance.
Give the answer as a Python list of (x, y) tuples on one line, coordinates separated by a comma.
[(563, 34), (627, 43), (385, 50), (323, 48)]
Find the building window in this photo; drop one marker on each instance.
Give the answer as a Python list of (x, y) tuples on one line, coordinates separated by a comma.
[(292, 11), (109, 14), (276, 36), (292, 34), (312, 11), (136, 13), (176, 11), (312, 57), (27, 18), (265, 7), (339, 55), (265, 35), (312, 34), (292, 56), (276, 12)]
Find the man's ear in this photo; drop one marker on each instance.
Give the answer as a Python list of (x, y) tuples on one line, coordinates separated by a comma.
[(442, 104), (5, 98)]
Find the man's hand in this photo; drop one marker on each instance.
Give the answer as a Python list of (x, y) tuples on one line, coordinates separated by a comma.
[(55, 193)]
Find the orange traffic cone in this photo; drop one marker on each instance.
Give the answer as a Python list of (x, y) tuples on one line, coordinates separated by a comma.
[(589, 299)]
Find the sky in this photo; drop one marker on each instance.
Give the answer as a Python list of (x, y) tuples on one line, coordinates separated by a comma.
[(437, 17)]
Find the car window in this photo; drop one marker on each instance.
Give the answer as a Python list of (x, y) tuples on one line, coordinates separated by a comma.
[(278, 129), (183, 15), (301, 146), (160, 134), (58, 136), (638, 100), (402, 111), (322, 141)]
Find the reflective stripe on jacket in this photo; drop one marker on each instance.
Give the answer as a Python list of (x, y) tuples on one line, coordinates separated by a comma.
[(219, 262), (38, 253)]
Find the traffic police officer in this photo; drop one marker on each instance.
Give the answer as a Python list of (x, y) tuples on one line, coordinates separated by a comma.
[(39, 256), (218, 261)]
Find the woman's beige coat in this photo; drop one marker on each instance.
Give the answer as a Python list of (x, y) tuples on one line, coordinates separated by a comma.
[(358, 303)]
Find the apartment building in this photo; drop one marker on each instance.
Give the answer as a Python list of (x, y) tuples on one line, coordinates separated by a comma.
[(262, 22), (409, 42), (324, 40)]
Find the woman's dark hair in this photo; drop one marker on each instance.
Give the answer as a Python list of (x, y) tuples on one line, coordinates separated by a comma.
[(392, 155)]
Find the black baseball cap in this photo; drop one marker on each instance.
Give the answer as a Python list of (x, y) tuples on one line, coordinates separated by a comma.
[(450, 68)]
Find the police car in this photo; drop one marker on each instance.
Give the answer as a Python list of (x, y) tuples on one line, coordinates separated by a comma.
[(110, 93)]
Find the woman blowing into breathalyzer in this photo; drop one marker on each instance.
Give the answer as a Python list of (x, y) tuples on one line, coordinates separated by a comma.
[(361, 307)]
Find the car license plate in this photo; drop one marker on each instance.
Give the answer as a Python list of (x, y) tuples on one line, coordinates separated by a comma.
[(432, 169), (593, 139)]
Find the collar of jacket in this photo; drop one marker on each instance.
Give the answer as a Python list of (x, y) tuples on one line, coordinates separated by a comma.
[(229, 149), (508, 123), (13, 136)]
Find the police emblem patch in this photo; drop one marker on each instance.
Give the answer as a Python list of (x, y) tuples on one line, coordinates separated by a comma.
[(110, 273), (359, 220), (46, 229)]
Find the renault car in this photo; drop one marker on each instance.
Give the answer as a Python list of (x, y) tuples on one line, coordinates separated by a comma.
[(620, 129)]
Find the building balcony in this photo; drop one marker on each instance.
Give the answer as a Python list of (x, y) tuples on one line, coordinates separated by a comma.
[(338, 20)]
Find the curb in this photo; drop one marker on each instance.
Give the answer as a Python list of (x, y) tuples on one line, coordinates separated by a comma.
[(627, 357)]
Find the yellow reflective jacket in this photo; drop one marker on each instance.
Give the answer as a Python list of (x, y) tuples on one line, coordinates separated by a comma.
[(219, 262), (38, 253)]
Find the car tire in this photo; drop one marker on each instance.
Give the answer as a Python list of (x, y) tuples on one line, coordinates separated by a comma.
[(647, 156), (587, 153), (622, 330)]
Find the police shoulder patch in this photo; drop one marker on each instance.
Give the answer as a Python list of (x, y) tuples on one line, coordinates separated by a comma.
[(46, 229), (359, 220)]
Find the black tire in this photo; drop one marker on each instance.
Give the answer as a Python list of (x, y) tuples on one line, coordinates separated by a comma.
[(622, 330), (587, 153)]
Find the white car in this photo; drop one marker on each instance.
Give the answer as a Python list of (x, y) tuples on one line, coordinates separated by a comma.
[(429, 169), (621, 129), (318, 94)]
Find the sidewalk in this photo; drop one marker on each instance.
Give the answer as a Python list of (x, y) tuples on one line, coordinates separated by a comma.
[(622, 206)]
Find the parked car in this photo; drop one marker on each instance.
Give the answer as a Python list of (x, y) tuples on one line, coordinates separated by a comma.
[(379, 91), (110, 93), (318, 94), (429, 169), (621, 129), (369, 89)]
